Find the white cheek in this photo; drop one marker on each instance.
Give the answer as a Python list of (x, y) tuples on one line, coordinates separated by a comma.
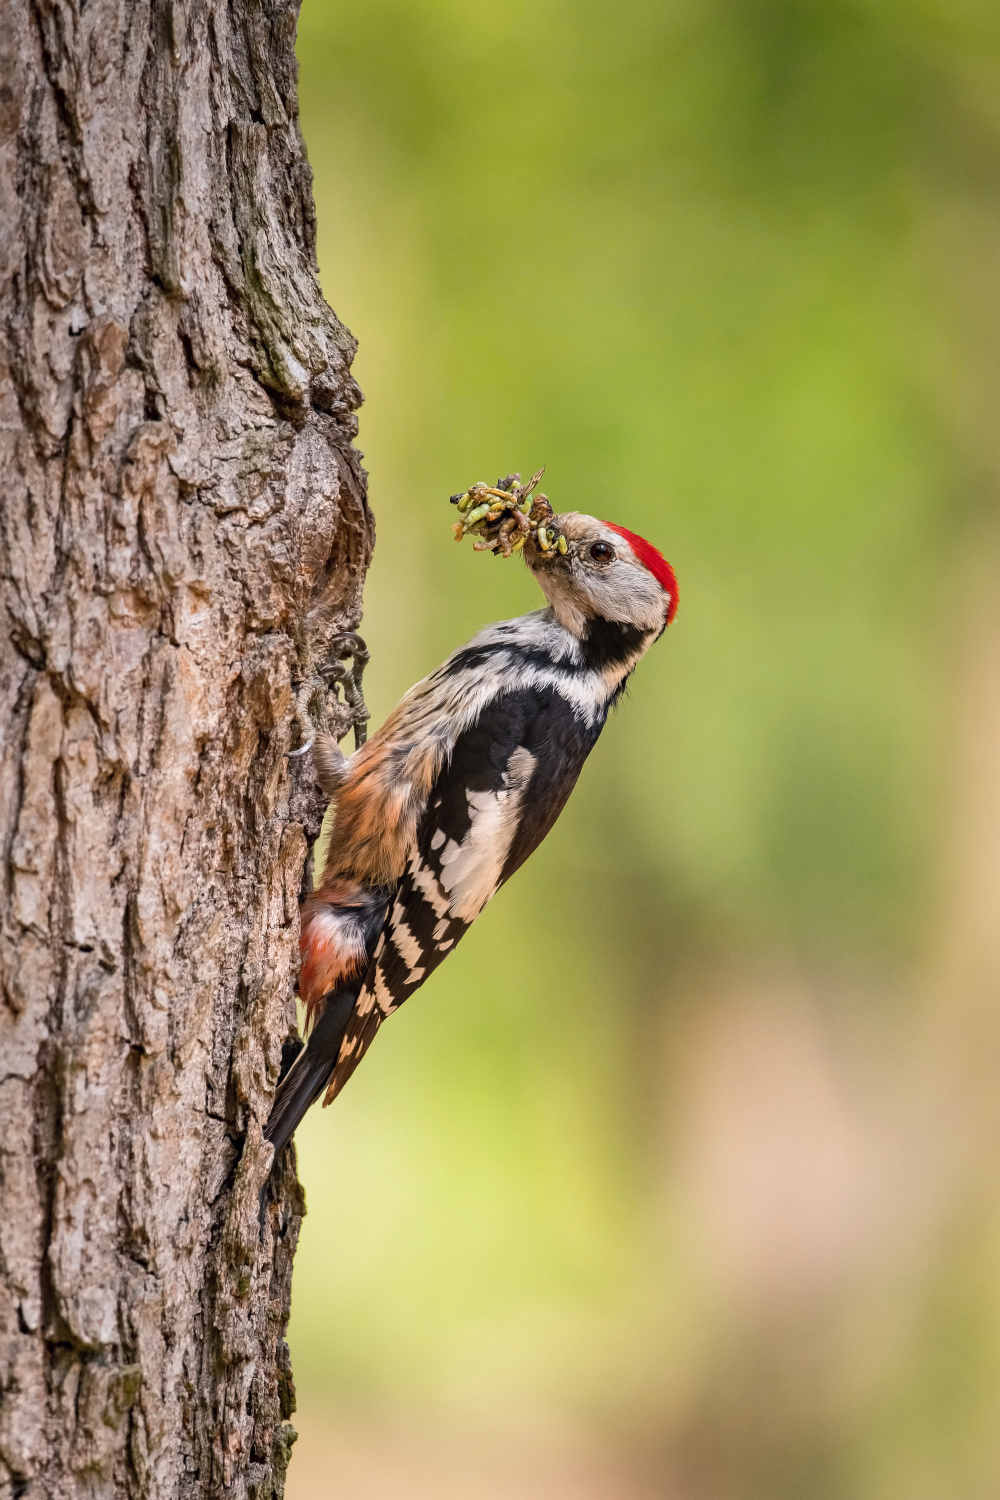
[(615, 586), (627, 592)]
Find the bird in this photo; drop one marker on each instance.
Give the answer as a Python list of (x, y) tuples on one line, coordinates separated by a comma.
[(439, 808)]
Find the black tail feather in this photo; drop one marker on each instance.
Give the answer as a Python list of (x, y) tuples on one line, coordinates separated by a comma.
[(310, 1072)]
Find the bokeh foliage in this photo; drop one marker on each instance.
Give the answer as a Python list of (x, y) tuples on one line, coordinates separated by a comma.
[(725, 266)]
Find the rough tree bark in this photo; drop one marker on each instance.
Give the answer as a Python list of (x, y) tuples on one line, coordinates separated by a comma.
[(179, 493)]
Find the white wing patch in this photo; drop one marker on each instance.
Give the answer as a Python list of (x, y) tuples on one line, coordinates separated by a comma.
[(471, 870)]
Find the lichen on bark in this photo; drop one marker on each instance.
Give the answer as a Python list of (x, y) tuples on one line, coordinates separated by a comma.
[(180, 507)]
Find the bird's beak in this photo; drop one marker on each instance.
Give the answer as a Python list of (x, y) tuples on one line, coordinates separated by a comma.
[(541, 555)]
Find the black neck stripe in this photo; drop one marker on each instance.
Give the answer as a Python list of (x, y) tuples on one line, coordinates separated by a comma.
[(612, 643)]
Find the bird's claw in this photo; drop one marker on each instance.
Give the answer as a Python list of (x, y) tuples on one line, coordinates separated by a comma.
[(312, 695), (333, 671)]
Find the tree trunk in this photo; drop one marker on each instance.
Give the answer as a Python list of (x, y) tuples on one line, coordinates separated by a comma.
[(179, 498)]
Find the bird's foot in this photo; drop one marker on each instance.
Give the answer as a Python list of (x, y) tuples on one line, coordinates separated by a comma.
[(349, 647), (313, 708)]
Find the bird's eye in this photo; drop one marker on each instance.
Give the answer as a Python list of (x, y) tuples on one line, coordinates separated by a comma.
[(602, 552)]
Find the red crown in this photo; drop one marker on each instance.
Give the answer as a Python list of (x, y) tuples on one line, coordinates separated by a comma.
[(654, 560)]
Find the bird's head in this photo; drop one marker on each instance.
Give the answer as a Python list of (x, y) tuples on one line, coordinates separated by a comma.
[(605, 574)]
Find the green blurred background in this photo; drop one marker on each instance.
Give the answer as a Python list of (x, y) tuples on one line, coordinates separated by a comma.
[(682, 1178)]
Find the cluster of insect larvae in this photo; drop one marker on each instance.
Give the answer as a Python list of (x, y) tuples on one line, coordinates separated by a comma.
[(505, 514)]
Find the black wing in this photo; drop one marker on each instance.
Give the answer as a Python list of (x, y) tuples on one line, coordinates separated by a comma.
[(506, 783)]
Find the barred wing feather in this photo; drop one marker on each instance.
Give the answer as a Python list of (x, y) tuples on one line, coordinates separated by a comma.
[(502, 789)]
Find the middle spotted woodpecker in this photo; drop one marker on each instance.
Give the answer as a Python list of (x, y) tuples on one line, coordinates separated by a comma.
[(464, 779)]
